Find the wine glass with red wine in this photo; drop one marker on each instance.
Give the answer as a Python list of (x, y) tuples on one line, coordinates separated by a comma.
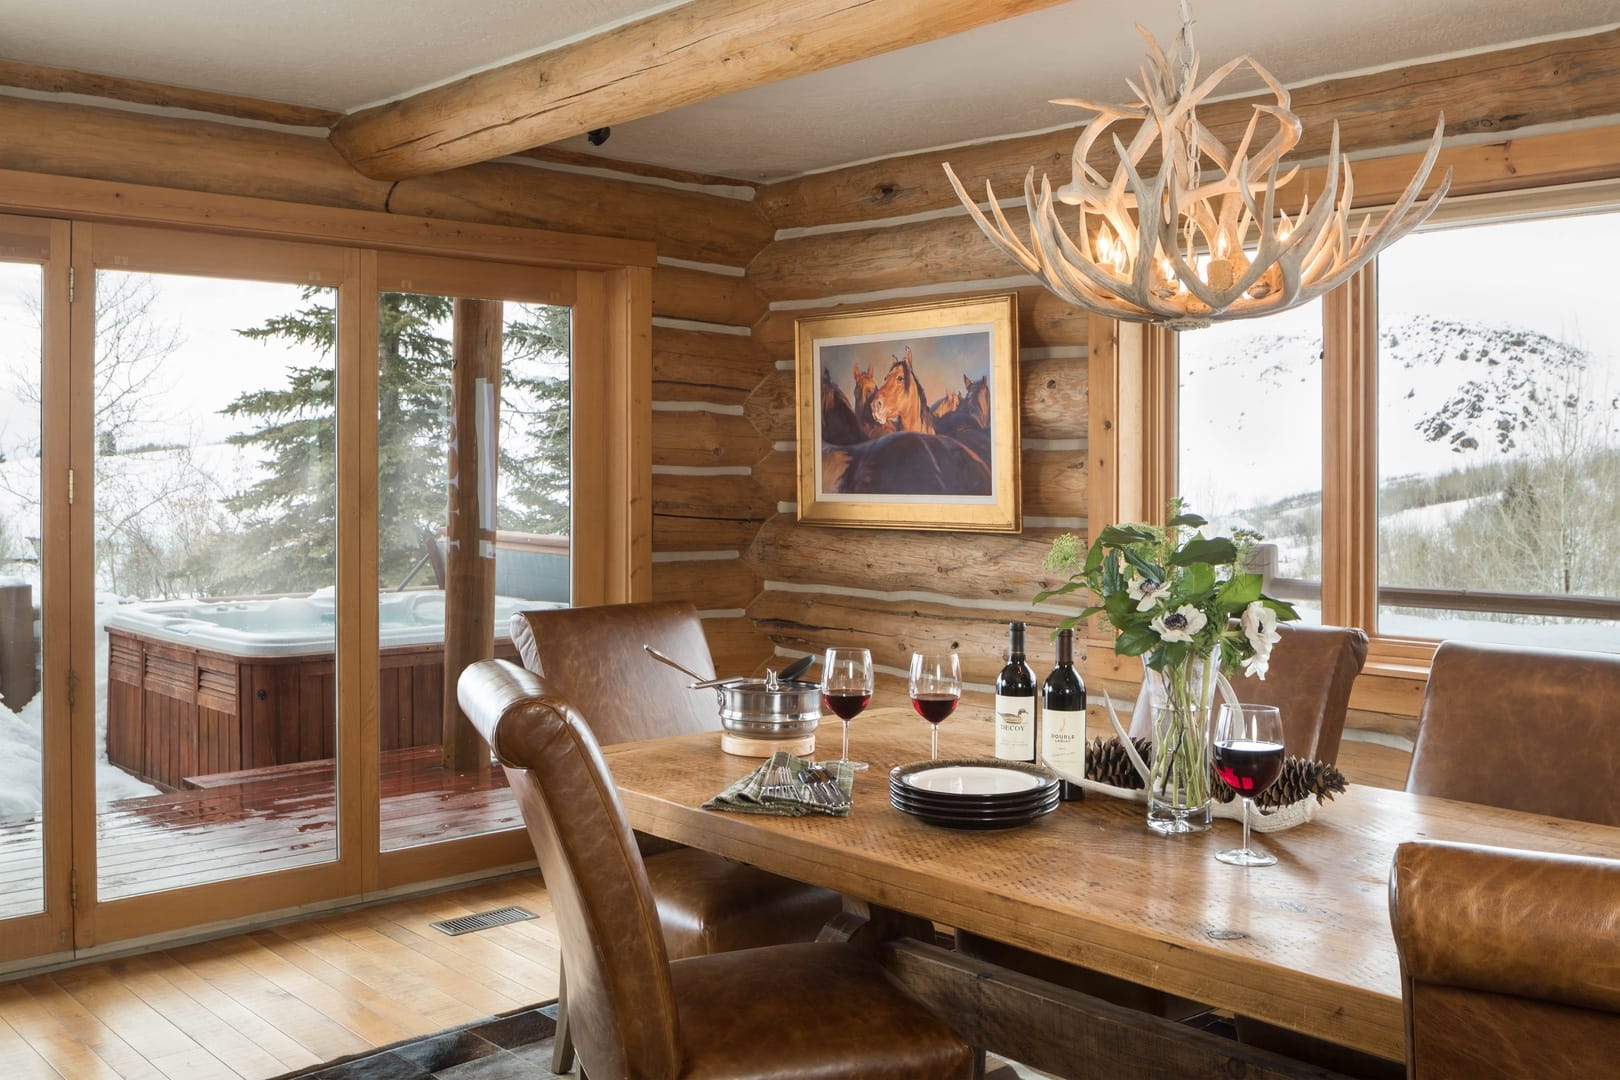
[(1249, 757), (846, 689), (936, 687)]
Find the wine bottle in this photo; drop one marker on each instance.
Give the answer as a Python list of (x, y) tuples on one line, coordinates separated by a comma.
[(1015, 703), (1063, 719)]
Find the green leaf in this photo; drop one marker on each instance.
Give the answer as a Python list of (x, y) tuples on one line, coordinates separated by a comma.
[(1174, 653), (1148, 570), (1118, 536), (1190, 520), (1135, 642), (1061, 590), (1241, 591), (1094, 558), (1119, 607), (1285, 611), (1198, 580), (1217, 552)]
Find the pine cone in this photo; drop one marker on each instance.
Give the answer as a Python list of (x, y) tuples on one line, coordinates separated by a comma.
[(1300, 779), (1107, 763)]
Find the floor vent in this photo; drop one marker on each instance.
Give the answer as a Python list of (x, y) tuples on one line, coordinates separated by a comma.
[(467, 924)]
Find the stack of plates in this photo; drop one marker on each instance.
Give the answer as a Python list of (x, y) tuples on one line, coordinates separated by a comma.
[(977, 793)]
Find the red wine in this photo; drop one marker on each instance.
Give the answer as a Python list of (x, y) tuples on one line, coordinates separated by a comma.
[(934, 707), (1248, 766), (1015, 702), (846, 706), (1063, 719)]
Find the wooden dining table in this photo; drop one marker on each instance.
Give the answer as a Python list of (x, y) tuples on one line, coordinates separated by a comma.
[(1305, 945)]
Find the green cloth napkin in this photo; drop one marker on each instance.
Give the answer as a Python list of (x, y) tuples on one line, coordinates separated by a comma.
[(775, 788)]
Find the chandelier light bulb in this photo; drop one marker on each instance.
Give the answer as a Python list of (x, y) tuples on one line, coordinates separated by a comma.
[(1203, 238)]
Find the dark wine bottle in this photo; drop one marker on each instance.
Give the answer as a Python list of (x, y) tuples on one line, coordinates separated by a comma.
[(1015, 703), (1063, 719)]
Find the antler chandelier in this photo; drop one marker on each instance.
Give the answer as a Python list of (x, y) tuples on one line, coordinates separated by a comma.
[(1198, 247)]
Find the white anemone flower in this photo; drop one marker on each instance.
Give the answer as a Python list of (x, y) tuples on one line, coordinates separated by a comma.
[(1180, 624), (1256, 666), (1260, 627), (1147, 592)]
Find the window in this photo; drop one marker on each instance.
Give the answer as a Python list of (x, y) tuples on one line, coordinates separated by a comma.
[(1482, 373), (1249, 452)]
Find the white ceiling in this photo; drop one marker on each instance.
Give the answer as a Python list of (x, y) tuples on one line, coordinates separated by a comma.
[(994, 81)]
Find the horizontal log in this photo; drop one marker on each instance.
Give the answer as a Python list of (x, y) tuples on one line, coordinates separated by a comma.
[(682, 532), (894, 629), (1054, 483), (179, 152), (937, 250), (1546, 83), (686, 224), (975, 566), (683, 293), (707, 583), (705, 439), (557, 155), (697, 51), (737, 646), (772, 409), (55, 80), (734, 497), (1044, 321), (777, 475), (691, 365), (1055, 401), (188, 154)]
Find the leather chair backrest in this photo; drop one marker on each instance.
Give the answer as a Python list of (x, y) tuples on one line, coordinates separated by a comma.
[(593, 657), (621, 1002), (1313, 669), (1525, 729), (1509, 961)]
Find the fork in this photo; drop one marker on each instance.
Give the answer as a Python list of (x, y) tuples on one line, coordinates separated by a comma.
[(822, 787)]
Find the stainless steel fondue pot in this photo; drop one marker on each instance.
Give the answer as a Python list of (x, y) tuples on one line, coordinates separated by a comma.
[(768, 708)]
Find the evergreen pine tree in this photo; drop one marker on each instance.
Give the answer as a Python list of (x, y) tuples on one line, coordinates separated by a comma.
[(287, 541)]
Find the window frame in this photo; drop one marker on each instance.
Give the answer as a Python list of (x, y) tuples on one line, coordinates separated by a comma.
[(1133, 382)]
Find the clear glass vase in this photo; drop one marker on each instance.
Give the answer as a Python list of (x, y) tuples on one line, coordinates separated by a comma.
[(1178, 788)]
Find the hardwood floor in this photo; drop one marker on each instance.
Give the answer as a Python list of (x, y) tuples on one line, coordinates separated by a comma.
[(281, 998)]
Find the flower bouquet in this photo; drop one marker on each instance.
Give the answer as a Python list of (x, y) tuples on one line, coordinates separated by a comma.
[(1184, 603)]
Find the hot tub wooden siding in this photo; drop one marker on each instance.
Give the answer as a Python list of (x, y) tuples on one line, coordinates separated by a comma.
[(175, 712)]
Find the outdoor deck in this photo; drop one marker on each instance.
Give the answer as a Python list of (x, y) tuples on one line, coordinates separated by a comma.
[(257, 821)]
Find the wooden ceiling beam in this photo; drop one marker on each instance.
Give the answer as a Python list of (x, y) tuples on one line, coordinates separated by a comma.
[(695, 52)]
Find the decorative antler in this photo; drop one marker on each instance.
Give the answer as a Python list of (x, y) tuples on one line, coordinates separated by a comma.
[(1175, 248)]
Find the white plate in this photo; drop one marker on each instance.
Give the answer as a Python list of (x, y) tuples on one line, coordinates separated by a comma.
[(972, 780)]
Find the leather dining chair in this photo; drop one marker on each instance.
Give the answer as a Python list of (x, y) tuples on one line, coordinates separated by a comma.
[(1313, 669), (1508, 961), (593, 657), (797, 1010), (1524, 729)]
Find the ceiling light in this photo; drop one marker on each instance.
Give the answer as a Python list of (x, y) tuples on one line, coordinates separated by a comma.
[(1204, 238)]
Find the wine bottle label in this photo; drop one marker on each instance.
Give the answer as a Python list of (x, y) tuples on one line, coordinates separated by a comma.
[(1063, 741), (1015, 728)]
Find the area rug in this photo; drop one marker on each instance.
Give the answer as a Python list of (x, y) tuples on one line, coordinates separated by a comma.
[(505, 1047)]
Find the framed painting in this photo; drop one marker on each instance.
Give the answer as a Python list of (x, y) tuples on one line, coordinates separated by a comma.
[(908, 417)]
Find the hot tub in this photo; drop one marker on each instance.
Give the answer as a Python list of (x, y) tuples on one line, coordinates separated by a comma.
[(196, 687)]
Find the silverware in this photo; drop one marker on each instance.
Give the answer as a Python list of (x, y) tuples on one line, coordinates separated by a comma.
[(823, 787)]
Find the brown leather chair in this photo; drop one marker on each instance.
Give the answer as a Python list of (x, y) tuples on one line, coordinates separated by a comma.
[(1524, 729), (1313, 669), (1508, 961), (593, 657), (809, 1009)]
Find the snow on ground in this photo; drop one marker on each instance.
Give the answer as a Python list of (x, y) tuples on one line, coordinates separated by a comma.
[(22, 743)]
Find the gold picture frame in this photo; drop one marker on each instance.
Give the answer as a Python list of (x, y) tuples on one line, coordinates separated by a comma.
[(908, 416)]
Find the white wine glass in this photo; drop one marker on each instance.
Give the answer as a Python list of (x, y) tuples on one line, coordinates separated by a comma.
[(1249, 758), (846, 689), (936, 687)]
